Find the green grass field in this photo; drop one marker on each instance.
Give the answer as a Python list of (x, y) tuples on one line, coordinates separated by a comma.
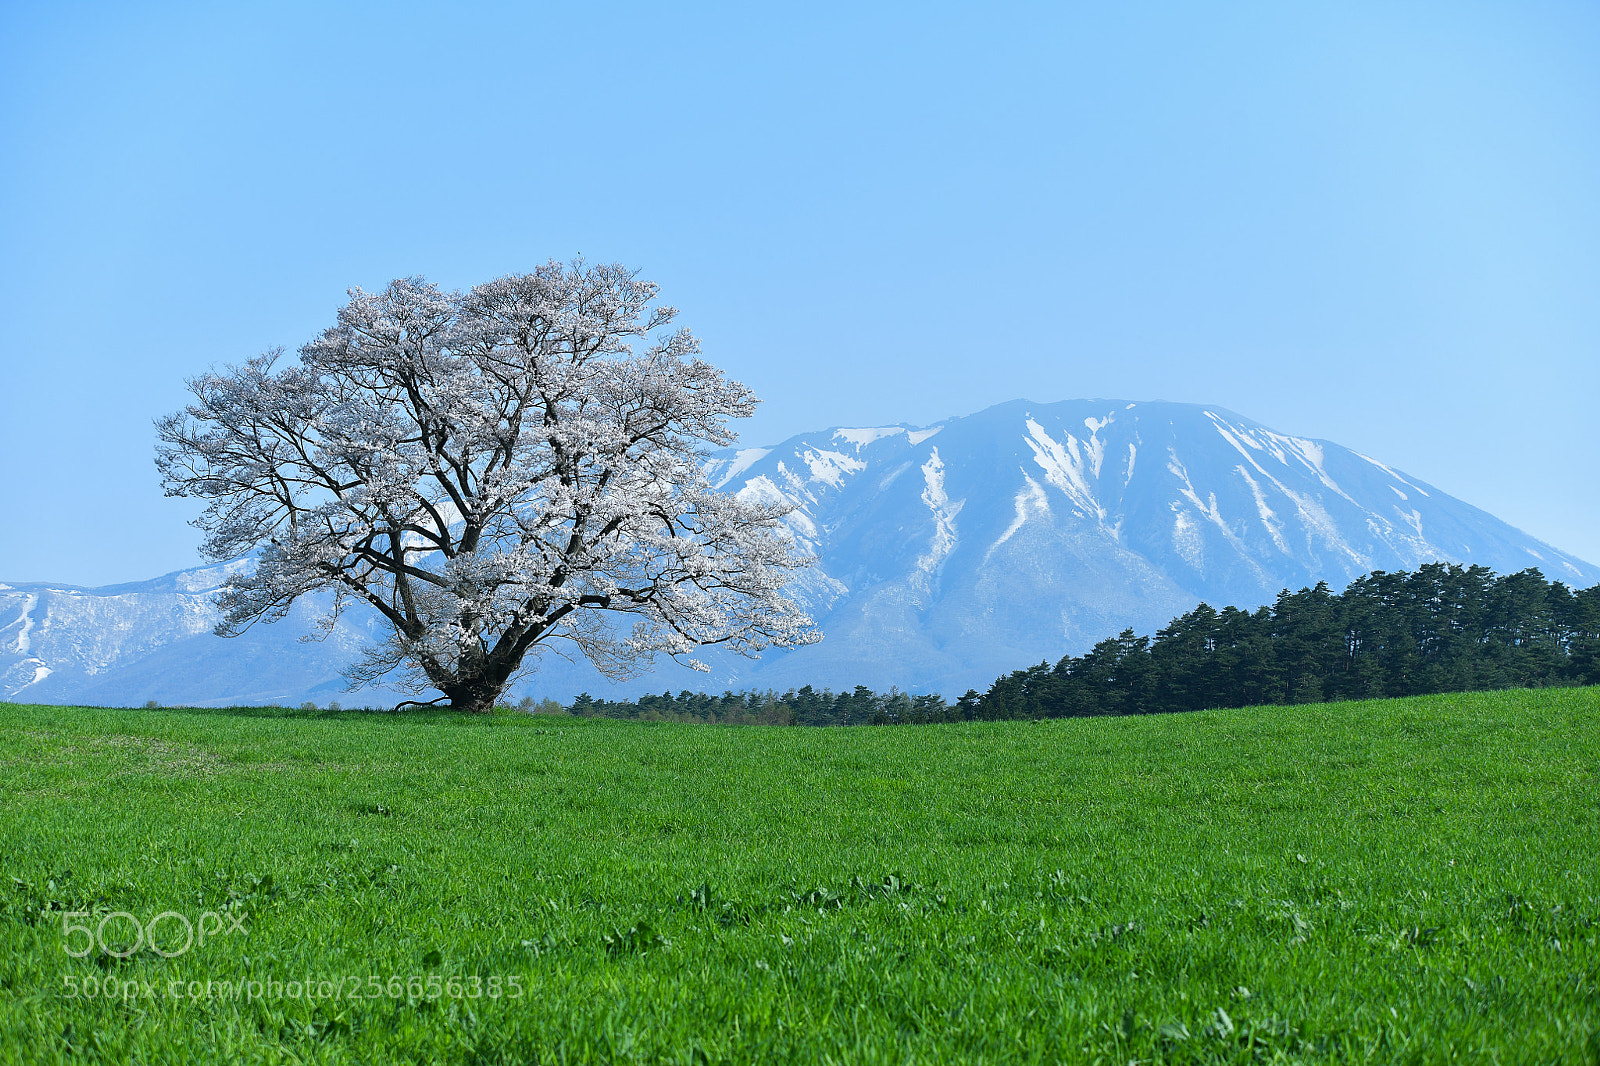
[(1398, 881)]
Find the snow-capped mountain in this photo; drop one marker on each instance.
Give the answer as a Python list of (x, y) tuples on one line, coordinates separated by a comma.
[(951, 554), (946, 556), (124, 644)]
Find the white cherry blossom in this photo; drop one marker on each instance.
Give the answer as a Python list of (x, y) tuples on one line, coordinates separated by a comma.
[(496, 472)]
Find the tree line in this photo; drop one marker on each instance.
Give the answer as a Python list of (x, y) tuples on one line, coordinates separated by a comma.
[(1441, 628), (803, 706)]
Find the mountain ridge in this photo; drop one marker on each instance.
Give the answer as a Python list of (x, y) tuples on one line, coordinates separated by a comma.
[(947, 554)]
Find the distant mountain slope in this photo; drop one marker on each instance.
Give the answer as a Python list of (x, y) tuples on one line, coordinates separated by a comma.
[(946, 555), (962, 550), (125, 644)]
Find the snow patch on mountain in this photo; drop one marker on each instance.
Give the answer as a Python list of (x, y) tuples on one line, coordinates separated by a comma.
[(944, 513), (1186, 539), (1210, 510), (862, 437), (1392, 474), (1269, 518), (1281, 447), (24, 625), (742, 460), (1069, 467), (761, 490), (1313, 516), (893, 475), (1030, 502), (831, 468)]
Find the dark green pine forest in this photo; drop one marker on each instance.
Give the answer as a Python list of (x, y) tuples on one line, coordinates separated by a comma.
[(1441, 628)]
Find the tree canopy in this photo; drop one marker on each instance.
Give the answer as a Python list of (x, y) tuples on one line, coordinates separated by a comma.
[(494, 472)]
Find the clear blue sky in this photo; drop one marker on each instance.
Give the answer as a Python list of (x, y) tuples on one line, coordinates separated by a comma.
[(1374, 223)]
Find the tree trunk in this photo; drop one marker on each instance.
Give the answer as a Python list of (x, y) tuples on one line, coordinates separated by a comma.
[(475, 695)]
